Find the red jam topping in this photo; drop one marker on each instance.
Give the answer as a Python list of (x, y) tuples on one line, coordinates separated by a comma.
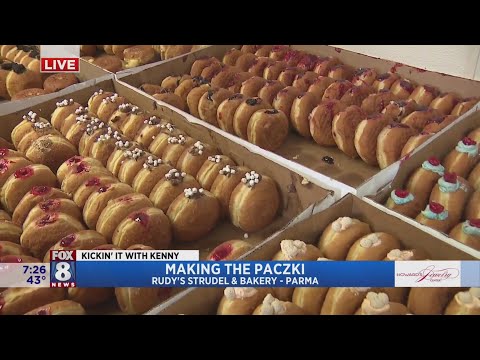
[(40, 190), (82, 167), (23, 173), (406, 85), (450, 178), (127, 198), (436, 208), (43, 312), (4, 152), (278, 48), (68, 240), (469, 142), (140, 218), (49, 205), (47, 219), (74, 160), (4, 165), (103, 189), (475, 222), (401, 193), (93, 182), (434, 161), (221, 252), (307, 62), (291, 55)]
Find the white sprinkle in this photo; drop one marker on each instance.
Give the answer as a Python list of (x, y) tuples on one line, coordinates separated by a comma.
[(245, 236)]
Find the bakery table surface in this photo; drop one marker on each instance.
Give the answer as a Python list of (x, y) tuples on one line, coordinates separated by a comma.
[(329, 161)]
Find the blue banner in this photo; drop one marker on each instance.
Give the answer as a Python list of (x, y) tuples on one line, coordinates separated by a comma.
[(237, 274)]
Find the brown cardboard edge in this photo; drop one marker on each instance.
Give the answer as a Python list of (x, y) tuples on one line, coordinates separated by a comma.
[(196, 301)]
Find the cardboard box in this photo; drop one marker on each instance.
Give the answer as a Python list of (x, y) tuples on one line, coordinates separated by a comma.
[(296, 198), (444, 143), (196, 301), (304, 156), (89, 74)]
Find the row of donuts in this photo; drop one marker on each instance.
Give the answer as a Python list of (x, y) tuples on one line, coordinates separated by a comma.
[(20, 75), (445, 195), (310, 113), (114, 58), (348, 239), (155, 175), (308, 67), (47, 214)]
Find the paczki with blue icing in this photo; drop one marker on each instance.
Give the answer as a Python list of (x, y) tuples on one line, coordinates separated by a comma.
[(447, 187), (432, 216), (438, 169), (401, 201), (469, 229), (471, 150)]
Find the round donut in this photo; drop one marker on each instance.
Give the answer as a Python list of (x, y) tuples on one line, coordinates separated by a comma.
[(22, 181), (226, 181), (336, 90), (81, 240), (273, 71), (194, 96), (236, 81), (134, 123), (319, 86), (35, 196), (50, 206), (209, 171), (98, 200), (437, 124), (18, 301), (193, 158), (193, 214), (138, 55), (167, 189), (212, 70), (176, 146), (402, 89), (140, 300), (364, 76), (57, 82), (81, 195), (64, 307), (324, 64), (304, 80), (424, 95), (344, 125), (10, 232), (391, 141), (268, 92), (20, 78), (117, 209), (148, 131), (245, 61), (464, 106), (223, 78), (108, 106), (366, 136), (120, 115), (51, 150), (302, 106), (244, 206), (96, 100), (118, 155), (201, 63), (171, 99), (108, 62), (414, 142), (444, 103), (209, 102), (148, 226), (321, 119), (132, 164), (373, 247), (152, 172), (9, 165), (79, 174), (44, 232), (252, 86), (151, 89), (226, 111), (243, 114), (28, 93), (229, 250), (241, 301), (69, 166), (64, 108), (231, 56), (268, 129), (8, 248), (258, 67), (284, 100), (184, 88)]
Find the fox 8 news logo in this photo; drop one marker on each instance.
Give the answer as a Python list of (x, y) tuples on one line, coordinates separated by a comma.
[(62, 268)]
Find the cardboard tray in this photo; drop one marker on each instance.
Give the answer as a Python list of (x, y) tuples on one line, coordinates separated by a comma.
[(444, 143), (197, 301), (89, 74), (301, 155), (295, 197)]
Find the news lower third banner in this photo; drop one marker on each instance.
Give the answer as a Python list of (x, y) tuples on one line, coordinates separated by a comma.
[(183, 269)]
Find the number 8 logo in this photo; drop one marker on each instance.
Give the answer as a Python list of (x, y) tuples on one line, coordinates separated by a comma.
[(62, 271)]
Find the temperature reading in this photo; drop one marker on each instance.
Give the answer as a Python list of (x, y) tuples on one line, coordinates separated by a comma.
[(36, 279)]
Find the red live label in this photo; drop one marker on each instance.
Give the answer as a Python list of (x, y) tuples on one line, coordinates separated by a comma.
[(59, 65)]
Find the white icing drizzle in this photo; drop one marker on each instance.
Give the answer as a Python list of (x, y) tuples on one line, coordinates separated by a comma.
[(371, 240), (342, 223), (234, 293), (292, 248), (399, 255), (272, 306), (375, 303)]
